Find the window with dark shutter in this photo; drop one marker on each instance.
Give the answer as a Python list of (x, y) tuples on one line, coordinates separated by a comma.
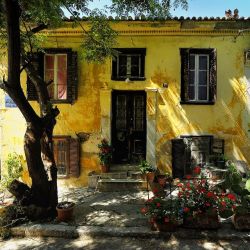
[(198, 76), (67, 156), (59, 65), (129, 63)]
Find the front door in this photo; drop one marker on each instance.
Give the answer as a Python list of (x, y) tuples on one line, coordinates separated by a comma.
[(128, 126)]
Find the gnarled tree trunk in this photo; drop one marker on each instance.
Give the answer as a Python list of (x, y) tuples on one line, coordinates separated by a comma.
[(38, 135)]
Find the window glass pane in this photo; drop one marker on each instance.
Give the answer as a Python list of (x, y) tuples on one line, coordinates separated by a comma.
[(202, 93), (62, 77), (202, 77), (203, 62), (192, 62), (191, 93), (49, 62), (123, 65), (135, 66), (191, 78), (61, 157)]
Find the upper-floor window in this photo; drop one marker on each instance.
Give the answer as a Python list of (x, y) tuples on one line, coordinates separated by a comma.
[(129, 63), (55, 69), (60, 67), (198, 79)]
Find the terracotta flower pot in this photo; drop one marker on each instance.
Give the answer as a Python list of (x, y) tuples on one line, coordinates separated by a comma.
[(150, 176), (241, 221), (202, 221), (162, 180), (164, 227), (65, 210), (104, 168)]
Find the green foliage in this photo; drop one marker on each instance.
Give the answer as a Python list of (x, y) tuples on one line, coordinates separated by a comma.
[(100, 40), (14, 170), (105, 153), (146, 167), (153, 8)]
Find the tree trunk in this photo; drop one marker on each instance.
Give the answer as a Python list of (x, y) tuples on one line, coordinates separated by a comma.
[(38, 135)]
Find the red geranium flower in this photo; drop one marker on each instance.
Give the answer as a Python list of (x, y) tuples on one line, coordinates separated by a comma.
[(231, 197), (210, 194), (223, 203), (158, 204), (188, 176), (197, 170), (144, 210), (186, 209)]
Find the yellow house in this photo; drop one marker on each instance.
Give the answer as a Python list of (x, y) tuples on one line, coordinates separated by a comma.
[(176, 92)]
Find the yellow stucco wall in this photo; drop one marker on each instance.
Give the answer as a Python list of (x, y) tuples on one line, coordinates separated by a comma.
[(228, 118)]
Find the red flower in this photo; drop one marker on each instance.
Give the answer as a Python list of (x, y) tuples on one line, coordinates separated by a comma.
[(158, 204), (210, 194), (203, 181), (155, 190), (207, 204), (179, 184), (144, 210), (166, 219), (188, 176), (231, 197), (186, 209), (179, 194), (188, 185), (223, 203), (197, 170)]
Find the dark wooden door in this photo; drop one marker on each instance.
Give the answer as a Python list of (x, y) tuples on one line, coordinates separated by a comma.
[(128, 126)]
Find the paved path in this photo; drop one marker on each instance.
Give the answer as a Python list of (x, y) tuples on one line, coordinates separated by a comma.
[(113, 221)]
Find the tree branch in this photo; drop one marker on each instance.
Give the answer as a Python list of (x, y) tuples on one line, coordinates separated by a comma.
[(39, 28)]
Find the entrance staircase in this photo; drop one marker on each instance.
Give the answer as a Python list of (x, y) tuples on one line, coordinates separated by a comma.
[(124, 177)]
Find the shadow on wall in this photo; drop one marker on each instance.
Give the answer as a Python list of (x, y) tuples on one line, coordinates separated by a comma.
[(224, 119)]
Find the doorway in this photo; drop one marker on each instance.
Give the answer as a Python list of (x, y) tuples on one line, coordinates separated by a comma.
[(128, 126)]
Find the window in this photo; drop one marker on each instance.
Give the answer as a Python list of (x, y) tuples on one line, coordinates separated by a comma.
[(128, 63), (66, 154), (55, 68), (59, 65), (198, 79)]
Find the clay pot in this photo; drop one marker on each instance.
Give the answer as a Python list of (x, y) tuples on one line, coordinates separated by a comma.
[(150, 176), (65, 210), (241, 221), (162, 180), (164, 227), (104, 168)]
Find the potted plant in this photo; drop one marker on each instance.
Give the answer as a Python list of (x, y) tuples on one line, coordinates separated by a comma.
[(163, 179), (164, 215), (65, 210), (147, 169), (199, 204), (105, 155)]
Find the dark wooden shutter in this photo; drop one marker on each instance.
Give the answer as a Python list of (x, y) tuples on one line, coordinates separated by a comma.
[(74, 158), (72, 76), (178, 158), (38, 63), (212, 75), (184, 74)]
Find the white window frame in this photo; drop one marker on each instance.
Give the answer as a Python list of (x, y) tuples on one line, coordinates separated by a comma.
[(196, 78), (55, 83)]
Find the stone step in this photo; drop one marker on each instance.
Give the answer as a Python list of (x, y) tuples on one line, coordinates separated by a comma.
[(114, 175), (113, 185), (123, 167)]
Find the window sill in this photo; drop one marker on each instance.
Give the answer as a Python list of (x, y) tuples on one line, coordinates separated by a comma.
[(197, 103), (131, 79)]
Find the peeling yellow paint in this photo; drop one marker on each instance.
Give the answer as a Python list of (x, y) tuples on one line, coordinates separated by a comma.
[(91, 113)]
